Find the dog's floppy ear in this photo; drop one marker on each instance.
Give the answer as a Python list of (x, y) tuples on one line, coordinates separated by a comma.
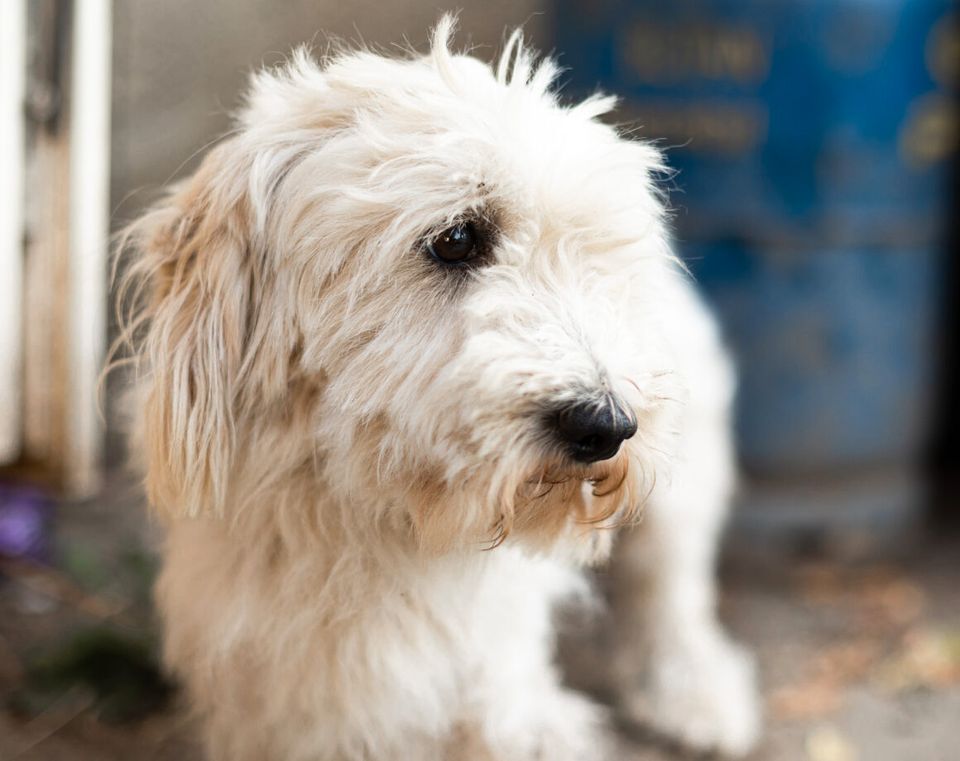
[(211, 332), (212, 349)]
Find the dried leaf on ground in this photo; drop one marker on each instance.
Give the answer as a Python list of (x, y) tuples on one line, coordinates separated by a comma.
[(890, 601), (881, 597), (927, 658), (829, 674), (848, 661), (828, 743), (807, 700)]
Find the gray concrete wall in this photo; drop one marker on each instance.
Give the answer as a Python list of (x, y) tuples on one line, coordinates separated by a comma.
[(180, 65)]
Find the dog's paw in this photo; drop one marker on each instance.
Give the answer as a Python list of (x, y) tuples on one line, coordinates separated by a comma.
[(573, 728), (701, 693)]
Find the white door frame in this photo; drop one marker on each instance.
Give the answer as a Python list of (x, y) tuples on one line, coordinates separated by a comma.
[(54, 235), (13, 71), (89, 235)]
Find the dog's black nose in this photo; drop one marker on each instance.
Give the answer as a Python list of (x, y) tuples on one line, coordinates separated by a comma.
[(593, 430)]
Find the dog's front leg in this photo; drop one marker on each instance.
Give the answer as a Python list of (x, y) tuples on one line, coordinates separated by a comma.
[(514, 706), (675, 669)]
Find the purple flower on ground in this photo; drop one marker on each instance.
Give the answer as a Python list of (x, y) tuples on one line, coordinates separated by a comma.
[(24, 522)]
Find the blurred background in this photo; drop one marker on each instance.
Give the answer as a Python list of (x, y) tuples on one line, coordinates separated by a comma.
[(814, 201)]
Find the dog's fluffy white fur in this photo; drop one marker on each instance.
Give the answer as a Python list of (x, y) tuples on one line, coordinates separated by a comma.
[(367, 521)]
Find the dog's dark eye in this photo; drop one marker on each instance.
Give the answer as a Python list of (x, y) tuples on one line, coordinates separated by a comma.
[(455, 245)]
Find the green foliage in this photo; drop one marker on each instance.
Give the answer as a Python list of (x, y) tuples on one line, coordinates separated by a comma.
[(117, 669)]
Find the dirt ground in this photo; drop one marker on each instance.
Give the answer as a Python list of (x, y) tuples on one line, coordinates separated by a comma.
[(859, 661)]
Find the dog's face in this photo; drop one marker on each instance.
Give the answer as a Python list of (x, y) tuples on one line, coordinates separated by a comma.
[(423, 282)]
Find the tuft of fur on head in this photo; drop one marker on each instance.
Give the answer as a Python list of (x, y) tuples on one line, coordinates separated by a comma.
[(304, 365)]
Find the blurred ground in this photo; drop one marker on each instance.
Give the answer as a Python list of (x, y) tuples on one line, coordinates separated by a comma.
[(860, 661)]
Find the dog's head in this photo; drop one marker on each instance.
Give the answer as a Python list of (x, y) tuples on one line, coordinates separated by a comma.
[(423, 286)]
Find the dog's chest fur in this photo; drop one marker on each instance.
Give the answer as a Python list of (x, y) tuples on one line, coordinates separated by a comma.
[(422, 643)]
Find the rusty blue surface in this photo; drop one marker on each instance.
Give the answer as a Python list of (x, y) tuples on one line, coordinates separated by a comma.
[(836, 350), (813, 119), (812, 142)]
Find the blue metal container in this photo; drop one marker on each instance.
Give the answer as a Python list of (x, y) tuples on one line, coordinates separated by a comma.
[(812, 139)]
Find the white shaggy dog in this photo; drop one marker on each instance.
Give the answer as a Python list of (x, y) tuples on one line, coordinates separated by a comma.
[(412, 341)]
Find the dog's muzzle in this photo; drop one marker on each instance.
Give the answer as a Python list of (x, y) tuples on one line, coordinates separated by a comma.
[(594, 429)]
